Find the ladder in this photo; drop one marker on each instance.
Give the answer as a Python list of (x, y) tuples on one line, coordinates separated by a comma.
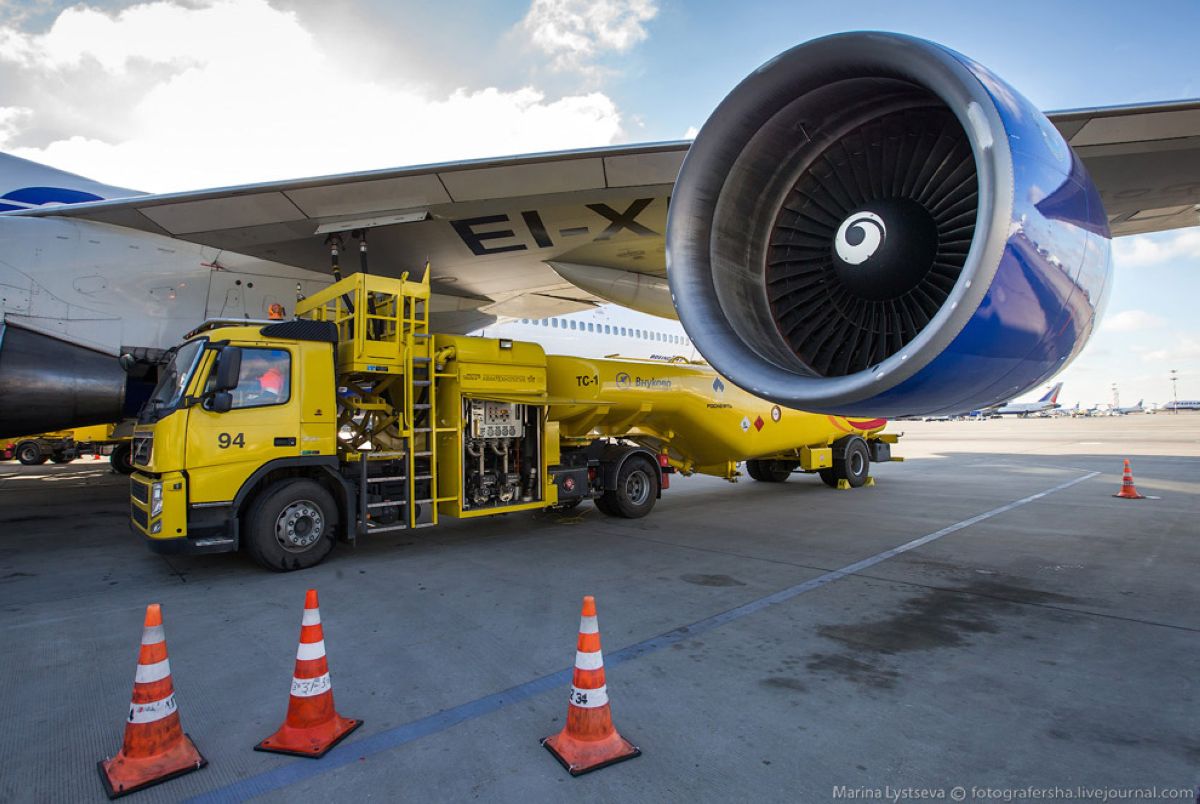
[(385, 363)]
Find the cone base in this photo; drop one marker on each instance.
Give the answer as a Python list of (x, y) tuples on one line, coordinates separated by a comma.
[(583, 756), (313, 743), (1133, 495), (122, 776)]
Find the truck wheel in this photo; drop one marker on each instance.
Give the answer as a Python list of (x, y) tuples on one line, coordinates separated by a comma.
[(851, 462), (59, 457), (30, 454), (636, 491), (291, 525), (122, 458), (770, 471)]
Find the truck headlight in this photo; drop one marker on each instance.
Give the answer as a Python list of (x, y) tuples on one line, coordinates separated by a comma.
[(156, 527), (156, 500)]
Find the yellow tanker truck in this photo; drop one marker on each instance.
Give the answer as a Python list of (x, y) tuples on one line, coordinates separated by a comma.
[(281, 437)]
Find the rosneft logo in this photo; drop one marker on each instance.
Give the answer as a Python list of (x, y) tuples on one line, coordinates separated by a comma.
[(851, 425), (718, 386), (623, 380)]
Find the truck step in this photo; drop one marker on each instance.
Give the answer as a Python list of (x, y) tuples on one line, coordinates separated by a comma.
[(422, 383), (387, 504), (421, 406), (420, 359), (386, 478), (422, 454), (385, 528)]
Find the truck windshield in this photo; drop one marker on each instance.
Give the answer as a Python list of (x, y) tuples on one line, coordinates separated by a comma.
[(172, 381)]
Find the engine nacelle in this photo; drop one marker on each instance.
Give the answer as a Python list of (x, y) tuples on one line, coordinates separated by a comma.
[(872, 224)]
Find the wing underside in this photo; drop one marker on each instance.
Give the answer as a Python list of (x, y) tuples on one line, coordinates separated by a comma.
[(546, 234)]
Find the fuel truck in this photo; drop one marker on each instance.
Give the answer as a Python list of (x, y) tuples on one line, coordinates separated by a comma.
[(284, 437)]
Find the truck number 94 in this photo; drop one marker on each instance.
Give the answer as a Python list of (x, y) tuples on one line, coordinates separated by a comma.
[(225, 440)]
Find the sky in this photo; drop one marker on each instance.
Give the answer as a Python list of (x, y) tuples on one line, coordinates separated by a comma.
[(185, 94)]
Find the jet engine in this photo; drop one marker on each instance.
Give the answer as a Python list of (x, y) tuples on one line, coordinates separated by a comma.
[(872, 224)]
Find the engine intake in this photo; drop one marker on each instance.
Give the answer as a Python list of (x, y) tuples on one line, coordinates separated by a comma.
[(872, 224)]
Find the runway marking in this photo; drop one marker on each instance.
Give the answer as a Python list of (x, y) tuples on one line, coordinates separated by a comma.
[(348, 753)]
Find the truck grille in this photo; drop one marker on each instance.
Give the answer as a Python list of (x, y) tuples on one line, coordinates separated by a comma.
[(143, 445), (139, 491), (140, 518)]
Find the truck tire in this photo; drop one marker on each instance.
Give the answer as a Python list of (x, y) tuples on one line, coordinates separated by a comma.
[(291, 525), (121, 459), (30, 453), (770, 471), (636, 490), (851, 462)]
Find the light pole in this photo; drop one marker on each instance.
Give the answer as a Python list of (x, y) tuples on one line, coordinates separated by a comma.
[(1116, 403), (1175, 390)]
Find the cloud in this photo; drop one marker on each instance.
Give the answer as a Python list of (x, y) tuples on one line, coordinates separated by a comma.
[(1177, 350), (1132, 321), (691, 133), (1156, 249), (575, 31), (182, 94)]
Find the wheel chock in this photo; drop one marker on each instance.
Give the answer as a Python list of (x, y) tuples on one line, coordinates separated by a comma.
[(870, 482), (843, 483)]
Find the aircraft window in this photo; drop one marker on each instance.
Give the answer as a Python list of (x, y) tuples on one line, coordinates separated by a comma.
[(591, 327), (622, 330), (554, 322), (608, 329), (573, 324)]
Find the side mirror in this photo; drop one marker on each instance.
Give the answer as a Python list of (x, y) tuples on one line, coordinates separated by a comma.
[(220, 402), (228, 368)]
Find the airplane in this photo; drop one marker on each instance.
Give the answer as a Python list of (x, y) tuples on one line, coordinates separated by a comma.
[(1119, 411), (1047, 403), (869, 224)]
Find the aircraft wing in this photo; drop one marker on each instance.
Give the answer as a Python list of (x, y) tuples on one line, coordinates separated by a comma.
[(493, 228), (488, 227), (1144, 159)]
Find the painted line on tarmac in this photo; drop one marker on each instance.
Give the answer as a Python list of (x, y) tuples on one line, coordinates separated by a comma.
[(348, 753)]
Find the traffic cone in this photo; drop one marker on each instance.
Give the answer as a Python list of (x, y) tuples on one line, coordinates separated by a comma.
[(589, 741), (312, 725), (1128, 490), (155, 748)]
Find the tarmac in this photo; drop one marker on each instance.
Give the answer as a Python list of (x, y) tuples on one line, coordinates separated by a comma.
[(986, 619)]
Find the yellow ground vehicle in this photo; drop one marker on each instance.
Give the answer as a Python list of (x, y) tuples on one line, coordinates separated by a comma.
[(354, 419), (62, 447)]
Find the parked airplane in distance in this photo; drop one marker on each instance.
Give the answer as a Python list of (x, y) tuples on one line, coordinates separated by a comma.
[(1118, 411), (1046, 403)]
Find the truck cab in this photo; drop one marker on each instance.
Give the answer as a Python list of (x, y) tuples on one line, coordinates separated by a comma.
[(236, 405)]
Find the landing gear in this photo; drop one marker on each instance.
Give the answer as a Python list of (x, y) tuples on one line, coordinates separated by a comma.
[(851, 462)]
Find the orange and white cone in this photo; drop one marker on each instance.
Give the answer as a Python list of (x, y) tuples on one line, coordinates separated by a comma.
[(589, 741), (1128, 490), (312, 725), (155, 748)]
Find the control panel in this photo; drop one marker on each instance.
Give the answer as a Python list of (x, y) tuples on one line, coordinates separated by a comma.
[(496, 419)]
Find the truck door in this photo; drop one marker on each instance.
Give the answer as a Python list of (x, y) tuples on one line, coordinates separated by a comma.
[(263, 424)]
